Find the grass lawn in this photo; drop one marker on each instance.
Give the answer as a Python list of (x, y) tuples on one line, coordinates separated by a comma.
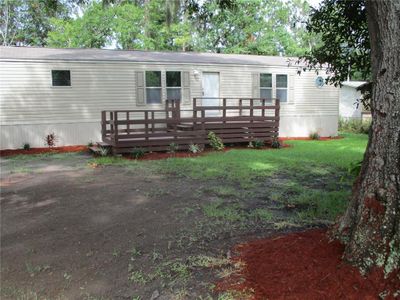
[(107, 227), (311, 175)]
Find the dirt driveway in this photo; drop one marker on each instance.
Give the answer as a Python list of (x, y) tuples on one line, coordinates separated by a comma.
[(72, 231)]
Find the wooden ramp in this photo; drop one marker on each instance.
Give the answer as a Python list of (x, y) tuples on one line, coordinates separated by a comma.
[(239, 120)]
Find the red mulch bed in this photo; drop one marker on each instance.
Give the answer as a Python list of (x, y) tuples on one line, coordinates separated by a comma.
[(304, 265), (43, 150), (309, 139)]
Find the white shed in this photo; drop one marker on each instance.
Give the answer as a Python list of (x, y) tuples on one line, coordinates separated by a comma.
[(350, 107), (45, 90)]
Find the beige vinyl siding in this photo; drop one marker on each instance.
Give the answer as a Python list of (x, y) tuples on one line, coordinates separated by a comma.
[(27, 96)]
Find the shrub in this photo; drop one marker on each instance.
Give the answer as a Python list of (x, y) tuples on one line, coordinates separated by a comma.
[(138, 153), (194, 148), (104, 151), (26, 146), (354, 125), (90, 144), (215, 141), (173, 147), (50, 140), (276, 143), (258, 144), (314, 136)]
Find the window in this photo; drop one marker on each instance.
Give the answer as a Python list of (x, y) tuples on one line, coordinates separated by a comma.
[(281, 87), (61, 77), (266, 86), (173, 85), (153, 87)]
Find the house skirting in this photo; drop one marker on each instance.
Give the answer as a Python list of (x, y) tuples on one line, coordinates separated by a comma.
[(14, 136)]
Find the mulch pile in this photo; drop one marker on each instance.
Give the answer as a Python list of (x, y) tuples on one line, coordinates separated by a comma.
[(305, 265), (43, 150)]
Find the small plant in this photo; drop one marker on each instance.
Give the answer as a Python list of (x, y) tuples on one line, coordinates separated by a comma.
[(355, 168), (138, 153), (215, 141), (194, 148), (258, 144), (26, 146), (314, 136), (135, 252), (50, 140), (173, 147), (137, 277), (116, 252), (276, 144), (90, 144), (104, 151)]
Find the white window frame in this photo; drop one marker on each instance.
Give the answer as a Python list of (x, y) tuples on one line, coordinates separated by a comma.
[(267, 88), (172, 87), (281, 88), (274, 88), (153, 87)]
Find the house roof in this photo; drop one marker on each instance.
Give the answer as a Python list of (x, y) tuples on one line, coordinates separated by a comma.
[(35, 53), (354, 84)]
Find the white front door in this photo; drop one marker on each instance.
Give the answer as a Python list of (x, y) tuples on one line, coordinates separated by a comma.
[(211, 90)]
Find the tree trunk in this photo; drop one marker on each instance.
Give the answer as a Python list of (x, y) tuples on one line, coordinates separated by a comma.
[(371, 224)]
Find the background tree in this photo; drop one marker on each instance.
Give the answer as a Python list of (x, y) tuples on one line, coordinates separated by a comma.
[(366, 37), (28, 22), (344, 41), (270, 27)]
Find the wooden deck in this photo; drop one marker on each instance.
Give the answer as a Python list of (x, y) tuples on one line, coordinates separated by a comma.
[(236, 120)]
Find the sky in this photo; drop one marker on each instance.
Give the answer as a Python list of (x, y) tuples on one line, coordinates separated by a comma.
[(314, 3)]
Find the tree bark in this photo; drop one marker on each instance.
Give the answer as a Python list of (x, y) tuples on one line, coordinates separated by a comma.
[(371, 225)]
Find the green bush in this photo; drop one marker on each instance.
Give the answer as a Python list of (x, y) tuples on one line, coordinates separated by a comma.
[(256, 144), (354, 125), (215, 142), (194, 148), (104, 151), (173, 147), (276, 144), (138, 153), (314, 136), (26, 146)]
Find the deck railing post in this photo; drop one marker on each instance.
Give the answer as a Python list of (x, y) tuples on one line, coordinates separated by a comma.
[(116, 136), (277, 118), (194, 112), (240, 107), (112, 127), (263, 109), (127, 123), (152, 119), (251, 110), (103, 124), (166, 109), (146, 125), (224, 110), (203, 125)]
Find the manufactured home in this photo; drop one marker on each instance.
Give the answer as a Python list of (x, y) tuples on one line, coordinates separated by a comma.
[(69, 92)]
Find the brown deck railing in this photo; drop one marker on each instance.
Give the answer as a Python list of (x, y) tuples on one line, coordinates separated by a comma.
[(235, 120)]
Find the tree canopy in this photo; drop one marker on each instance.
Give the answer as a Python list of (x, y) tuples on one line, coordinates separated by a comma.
[(344, 46), (268, 27)]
